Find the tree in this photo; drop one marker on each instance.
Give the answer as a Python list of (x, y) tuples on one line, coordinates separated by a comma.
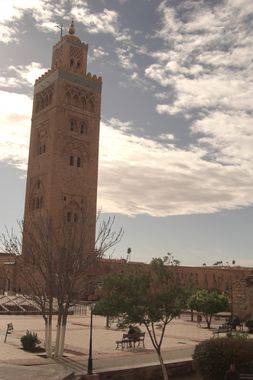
[(151, 297), (57, 266), (208, 303)]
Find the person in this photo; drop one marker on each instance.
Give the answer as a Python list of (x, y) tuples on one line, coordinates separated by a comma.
[(131, 330), (232, 373), (130, 334), (199, 320)]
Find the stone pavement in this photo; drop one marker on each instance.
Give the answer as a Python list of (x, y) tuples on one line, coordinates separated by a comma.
[(179, 341)]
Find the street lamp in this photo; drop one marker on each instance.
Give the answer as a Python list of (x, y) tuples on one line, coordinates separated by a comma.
[(90, 360), (231, 290)]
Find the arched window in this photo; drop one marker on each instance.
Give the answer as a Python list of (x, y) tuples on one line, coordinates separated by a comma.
[(71, 62), (78, 162), (75, 101), (83, 129), (75, 218), (68, 216), (83, 103), (71, 161), (72, 125), (78, 65), (90, 106), (68, 98)]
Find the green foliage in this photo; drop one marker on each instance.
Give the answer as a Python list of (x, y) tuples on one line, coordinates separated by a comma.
[(249, 324), (142, 297), (29, 341), (212, 357), (152, 296), (208, 303)]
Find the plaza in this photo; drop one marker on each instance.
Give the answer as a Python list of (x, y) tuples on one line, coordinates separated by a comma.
[(180, 338)]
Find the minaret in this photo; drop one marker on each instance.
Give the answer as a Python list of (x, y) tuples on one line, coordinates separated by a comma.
[(64, 142)]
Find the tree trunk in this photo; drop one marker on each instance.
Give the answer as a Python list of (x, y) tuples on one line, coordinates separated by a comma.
[(108, 324), (58, 333), (63, 332), (48, 338), (164, 370)]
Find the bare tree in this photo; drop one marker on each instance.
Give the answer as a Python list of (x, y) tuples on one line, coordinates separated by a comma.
[(54, 264)]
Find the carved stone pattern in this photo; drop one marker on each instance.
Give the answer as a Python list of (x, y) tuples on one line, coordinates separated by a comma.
[(37, 194), (58, 53), (74, 200), (42, 135), (82, 99), (74, 147), (44, 98), (75, 53)]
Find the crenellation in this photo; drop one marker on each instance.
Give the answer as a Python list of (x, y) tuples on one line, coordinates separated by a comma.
[(43, 76)]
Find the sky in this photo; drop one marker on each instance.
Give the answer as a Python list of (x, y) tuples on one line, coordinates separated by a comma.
[(176, 132)]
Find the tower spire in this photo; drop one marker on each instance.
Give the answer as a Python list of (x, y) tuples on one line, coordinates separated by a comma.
[(72, 28)]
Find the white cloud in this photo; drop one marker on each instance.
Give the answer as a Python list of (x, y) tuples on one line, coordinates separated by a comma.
[(15, 116), (125, 57), (138, 175), (18, 76), (44, 13), (99, 52), (103, 22), (28, 73)]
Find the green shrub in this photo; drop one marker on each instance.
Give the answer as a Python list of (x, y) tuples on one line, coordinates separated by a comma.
[(212, 357), (29, 341), (249, 324)]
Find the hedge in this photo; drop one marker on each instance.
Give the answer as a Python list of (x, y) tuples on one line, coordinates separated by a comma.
[(212, 357)]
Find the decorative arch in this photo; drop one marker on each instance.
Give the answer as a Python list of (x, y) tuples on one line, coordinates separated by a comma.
[(73, 213), (37, 197)]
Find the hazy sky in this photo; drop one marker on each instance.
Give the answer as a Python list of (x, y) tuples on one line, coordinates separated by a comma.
[(176, 145)]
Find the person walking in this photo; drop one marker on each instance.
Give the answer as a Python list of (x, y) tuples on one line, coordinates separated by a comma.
[(232, 373)]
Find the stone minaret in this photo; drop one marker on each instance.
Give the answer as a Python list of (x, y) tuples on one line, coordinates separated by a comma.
[(63, 155)]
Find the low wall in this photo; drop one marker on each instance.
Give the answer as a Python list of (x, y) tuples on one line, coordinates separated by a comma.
[(147, 372)]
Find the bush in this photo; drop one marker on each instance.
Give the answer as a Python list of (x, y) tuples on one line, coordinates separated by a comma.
[(29, 341), (212, 357), (249, 324)]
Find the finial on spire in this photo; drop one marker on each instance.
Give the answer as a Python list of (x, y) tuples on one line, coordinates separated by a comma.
[(72, 29)]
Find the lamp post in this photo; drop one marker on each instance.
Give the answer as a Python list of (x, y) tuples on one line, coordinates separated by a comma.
[(90, 360), (231, 290)]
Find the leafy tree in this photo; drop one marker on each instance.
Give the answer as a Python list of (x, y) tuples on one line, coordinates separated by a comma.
[(154, 296), (208, 303)]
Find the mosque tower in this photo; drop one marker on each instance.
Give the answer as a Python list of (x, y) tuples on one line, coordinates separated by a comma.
[(63, 155)]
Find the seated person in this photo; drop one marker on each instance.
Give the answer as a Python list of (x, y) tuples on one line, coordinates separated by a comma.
[(131, 330)]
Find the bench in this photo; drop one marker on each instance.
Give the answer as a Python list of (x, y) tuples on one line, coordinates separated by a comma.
[(8, 330), (130, 340), (222, 329)]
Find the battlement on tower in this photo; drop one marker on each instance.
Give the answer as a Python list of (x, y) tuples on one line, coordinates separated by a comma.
[(91, 77)]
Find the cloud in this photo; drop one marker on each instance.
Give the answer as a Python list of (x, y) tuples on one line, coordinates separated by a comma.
[(103, 22), (141, 176), (206, 59), (15, 116), (125, 57), (44, 13), (99, 52), (29, 73), (19, 76)]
